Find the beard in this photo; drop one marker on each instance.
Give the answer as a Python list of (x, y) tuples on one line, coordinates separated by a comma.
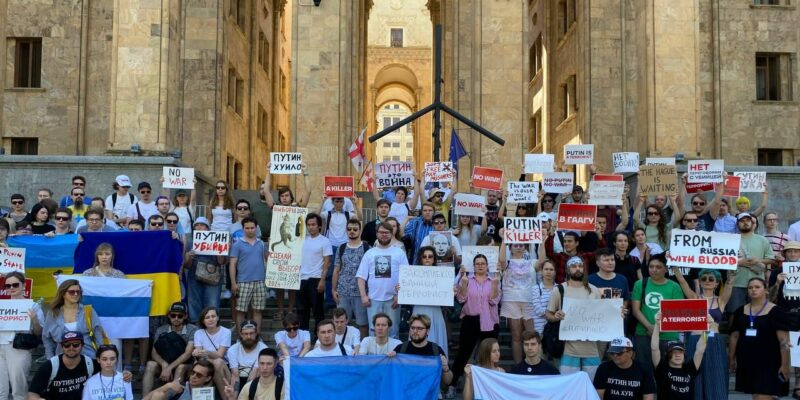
[(78, 202), (577, 276), (418, 339), (248, 343), (746, 229), (384, 242)]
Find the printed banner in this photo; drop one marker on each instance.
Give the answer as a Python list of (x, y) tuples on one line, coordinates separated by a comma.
[(178, 178), (522, 192), (338, 186), (731, 186), (4, 293), (487, 178), (751, 182), (14, 315), (488, 384), (211, 243), (700, 249), (539, 163), (625, 162), (393, 174), (439, 172), (578, 154), (591, 319), (469, 204), (557, 182), (286, 247), (699, 187), (659, 161), (468, 253), (606, 192), (424, 285), (657, 179), (577, 217), (705, 171), (12, 259), (522, 230), (794, 355), (285, 163), (684, 315)]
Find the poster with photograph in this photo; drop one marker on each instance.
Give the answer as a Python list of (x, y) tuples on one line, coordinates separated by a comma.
[(286, 247)]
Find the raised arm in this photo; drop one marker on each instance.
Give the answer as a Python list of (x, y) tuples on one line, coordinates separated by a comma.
[(655, 350), (624, 216), (764, 201), (714, 211), (638, 209), (268, 188), (677, 213), (303, 201), (701, 347), (687, 290), (412, 203)]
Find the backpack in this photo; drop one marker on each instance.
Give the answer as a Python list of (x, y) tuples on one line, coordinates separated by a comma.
[(170, 346), (55, 363), (343, 246), (254, 387), (328, 220), (551, 344), (114, 199)]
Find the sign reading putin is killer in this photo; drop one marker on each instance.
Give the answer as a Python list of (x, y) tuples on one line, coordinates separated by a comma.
[(339, 186), (576, 217), (522, 230)]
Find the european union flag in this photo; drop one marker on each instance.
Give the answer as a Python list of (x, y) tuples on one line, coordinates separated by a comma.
[(456, 149)]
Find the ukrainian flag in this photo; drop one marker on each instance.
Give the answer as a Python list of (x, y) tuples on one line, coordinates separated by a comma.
[(43, 257), (152, 255)]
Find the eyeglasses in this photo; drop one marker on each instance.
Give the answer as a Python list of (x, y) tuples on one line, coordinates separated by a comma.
[(62, 218), (74, 292), (384, 233), (708, 278), (353, 229), (242, 208), (695, 203), (292, 328), (418, 328), (198, 374), (71, 345), (156, 224), (172, 221), (17, 202), (144, 191), (12, 285), (438, 222), (179, 316), (221, 187), (79, 194), (690, 220)]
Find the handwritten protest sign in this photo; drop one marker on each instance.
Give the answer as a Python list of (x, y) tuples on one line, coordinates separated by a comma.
[(4, 292), (468, 253), (606, 190), (657, 179), (659, 161), (792, 282), (522, 230), (425, 285), (522, 192), (285, 163), (439, 172), (576, 217), (12, 259), (705, 171), (699, 187), (178, 178), (625, 162), (684, 315), (211, 243), (469, 204), (394, 174), (794, 355), (751, 182), (487, 178), (731, 186), (578, 154), (339, 186), (557, 182), (286, 247), (539, 163), (700, 249), (14, 315), (591, 319)]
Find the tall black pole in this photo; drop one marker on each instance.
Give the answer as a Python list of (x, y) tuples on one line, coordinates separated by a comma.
[(437, 93)]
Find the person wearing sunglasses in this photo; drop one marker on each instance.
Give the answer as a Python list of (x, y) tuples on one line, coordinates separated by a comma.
[(77, 182), (16, 363), (623, 373), (172, 223), (201, 375), (108, 383), (172, 349), (221, 204), (18, 212), (67, 314), (63, 219), (292, 341), (145, 207), (243, 211), (346, 263)]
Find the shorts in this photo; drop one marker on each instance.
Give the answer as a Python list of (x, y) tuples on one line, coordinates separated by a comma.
[(516, 310), (355, 309), (251, 293)]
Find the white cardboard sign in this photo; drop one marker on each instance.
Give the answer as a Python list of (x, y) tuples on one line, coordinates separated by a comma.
[(14, 315), (591, 319), (211, 243), (557, 182), (439, 172), (608, 193), (575, 154), (469, 204), (539, 163), (426, 285), (751, 182), (393, 174), (12, 259), (700, 249), (522, 192), (659, 161), (522, 230), (285, 163), (178, 178), (705, 171), (625, 162)]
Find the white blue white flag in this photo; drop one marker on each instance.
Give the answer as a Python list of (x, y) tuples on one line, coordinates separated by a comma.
[(495, 385)]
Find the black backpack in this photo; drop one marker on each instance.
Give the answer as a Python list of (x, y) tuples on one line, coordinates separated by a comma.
[(551, 344), (254, 387), (170, 346)]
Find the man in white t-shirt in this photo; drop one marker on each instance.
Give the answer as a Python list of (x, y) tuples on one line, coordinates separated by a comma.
[(345, 334), (328, 346), (317, 254), (143, 208), (243, 356), (380, 271)]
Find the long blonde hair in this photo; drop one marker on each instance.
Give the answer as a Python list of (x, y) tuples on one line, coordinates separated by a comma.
[(102, 248)]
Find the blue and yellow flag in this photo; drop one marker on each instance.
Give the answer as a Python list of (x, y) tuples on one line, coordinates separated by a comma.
[(140, 255), (43, 257)]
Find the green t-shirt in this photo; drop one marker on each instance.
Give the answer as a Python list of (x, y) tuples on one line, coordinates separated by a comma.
[(753, 246), (651, 304)]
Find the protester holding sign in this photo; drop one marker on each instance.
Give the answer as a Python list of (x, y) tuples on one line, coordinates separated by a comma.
[(15, 359), (675, 376), (779, 296), (519, 278), (285, 195), (203, 281), (402, 203), (758, 350), (438, 327), (656, 226)]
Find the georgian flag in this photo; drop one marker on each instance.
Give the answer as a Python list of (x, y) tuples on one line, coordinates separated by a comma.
[(357, 152), (368, 178)]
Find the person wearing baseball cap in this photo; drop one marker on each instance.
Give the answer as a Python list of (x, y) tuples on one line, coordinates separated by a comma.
[(172, 349), (117, 203), (755, 255), (622, 373), (676, 376), (145, 207)]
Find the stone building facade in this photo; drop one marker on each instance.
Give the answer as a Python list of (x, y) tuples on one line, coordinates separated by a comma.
[(204, 80)]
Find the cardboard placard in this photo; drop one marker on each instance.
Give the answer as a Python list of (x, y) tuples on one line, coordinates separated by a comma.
[(4, 293), (539, 163), (211, 243), (522, 230), (792, 282), (705, 171), (468, 253), (591, 319), (392, 174), (469, 204), (557, 182), (522, 192), (576, 217), (684, 315), (282, 163), (575, 154), (439, 172), (286, 247), (426, 285), (339, 186), (659, 161), (700, 249), (657, 180), (606, 192), (751, 182), (14, 315), (178, 178), (794, 353), (625, 162), (203, 393), (731, 186), (12, 259), (699, 187), (487, 178)]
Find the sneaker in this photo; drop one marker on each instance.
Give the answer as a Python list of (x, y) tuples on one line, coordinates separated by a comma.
[(451, 392), (226, 294)]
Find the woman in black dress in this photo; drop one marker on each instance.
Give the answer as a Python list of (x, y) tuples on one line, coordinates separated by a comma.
[(759, 345)]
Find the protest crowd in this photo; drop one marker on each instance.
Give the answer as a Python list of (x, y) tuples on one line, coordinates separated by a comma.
[(658, 292)]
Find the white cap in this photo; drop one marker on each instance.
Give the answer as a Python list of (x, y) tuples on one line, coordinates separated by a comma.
[(123, 180)]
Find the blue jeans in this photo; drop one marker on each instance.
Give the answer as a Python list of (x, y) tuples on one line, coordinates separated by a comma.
[(329, 303), (200, 295), (386, 308)]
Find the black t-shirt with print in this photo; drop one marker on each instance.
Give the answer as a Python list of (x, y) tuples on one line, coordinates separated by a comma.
[(675, 383), (430, 349), (542, 368), (623, 384), (68, 383)]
